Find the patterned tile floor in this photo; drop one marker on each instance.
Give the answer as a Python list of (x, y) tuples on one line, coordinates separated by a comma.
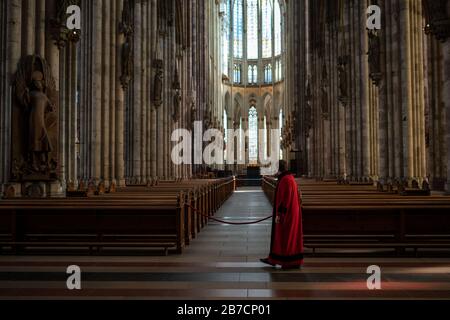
[(223, 263)]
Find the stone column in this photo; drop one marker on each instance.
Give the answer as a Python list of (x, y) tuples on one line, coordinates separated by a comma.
[(119, 132), (383, 107), (365, 82), (405, 88), (12, 17), (114, 25), (40, 28), (30, 26), (4, 89), (136, 174), (446, 92), (95, 147), (106, 93)]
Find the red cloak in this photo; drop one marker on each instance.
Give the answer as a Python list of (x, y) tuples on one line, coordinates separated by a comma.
[(287, 235)]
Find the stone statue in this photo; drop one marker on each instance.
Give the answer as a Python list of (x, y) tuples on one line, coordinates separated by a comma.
[(35, 124), (126, 28), (158, 83), (176, 106), (342, 72), (374, 57), (176, 98), (38, 105)]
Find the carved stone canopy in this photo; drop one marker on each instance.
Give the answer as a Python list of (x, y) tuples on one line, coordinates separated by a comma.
[(437, 19)]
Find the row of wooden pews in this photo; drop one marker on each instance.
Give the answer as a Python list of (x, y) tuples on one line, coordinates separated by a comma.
[(360, 217), (160, 217)]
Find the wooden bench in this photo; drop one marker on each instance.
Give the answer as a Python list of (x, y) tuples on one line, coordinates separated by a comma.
[(358, 216), (157, 217), (132, 222)]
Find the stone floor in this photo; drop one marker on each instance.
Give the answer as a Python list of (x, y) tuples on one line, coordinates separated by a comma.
[(223, 263)]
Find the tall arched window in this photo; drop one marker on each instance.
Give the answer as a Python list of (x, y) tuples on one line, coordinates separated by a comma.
[(268, 73), (278, 72), (255, 37), (238, 28), (277, 28), (226, 12), (267, 28), (237, 73), (252, 29), (252, 74), (253, 135)]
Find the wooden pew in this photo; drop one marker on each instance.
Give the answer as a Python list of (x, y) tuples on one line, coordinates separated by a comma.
[(110, 222), (346, 216)]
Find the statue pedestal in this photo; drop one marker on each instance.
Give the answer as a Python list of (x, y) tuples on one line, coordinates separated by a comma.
[(11, 191), (40, 190)]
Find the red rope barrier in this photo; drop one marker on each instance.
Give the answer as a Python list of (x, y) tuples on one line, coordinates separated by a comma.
[(229, 222)]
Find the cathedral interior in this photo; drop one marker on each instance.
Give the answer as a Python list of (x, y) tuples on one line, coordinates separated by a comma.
[(99, 98)]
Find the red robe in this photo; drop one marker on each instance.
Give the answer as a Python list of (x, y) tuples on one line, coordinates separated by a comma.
[(287, 235)]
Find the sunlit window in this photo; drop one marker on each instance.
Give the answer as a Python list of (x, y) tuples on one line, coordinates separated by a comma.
[(253, 135), (268, 73), (278, 71), (237, 73), (252, 74), (277, 28), (267, 28), (252, 29), (226, 12), (238, 27)]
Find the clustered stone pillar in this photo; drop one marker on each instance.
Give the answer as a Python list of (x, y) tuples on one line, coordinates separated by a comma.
[(373, 103), (28, 31), (104, 86)]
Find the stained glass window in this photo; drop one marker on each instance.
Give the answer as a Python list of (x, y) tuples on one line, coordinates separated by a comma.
[(238, 27), (256, 27), (252, 29), (252, 74), (237, 73), (268, 73), (253, 135), (277, 28), (267, 28), (226, 11), (279, 71)]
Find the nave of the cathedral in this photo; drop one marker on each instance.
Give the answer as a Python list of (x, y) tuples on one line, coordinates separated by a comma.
[(139, 137)]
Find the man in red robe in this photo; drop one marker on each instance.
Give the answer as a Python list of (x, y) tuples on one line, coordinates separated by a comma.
[(286, 247)]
